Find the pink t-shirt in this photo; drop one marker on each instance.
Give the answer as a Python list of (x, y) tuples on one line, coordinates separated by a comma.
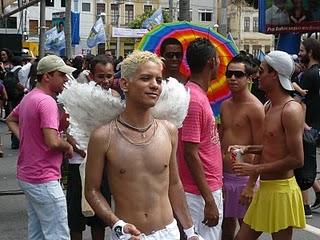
[(36, 162), (199, 127)]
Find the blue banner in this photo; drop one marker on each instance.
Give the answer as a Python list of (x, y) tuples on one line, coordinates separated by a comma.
[(54, 40), (97, 34), (155, 19), (289, 42), (75, 25)]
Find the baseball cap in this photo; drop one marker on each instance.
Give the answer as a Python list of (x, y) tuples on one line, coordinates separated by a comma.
[(283, 64), (52, 63)]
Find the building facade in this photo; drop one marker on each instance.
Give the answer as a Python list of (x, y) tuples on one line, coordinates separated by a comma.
[(243, 23), (120, 14), (114, 13)]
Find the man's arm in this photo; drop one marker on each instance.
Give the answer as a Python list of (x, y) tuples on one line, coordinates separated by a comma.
[(256, 119), (13, 124), (74, 144), (176, 192), (292, 121), (191, 155), (55, 142), (94, 171)]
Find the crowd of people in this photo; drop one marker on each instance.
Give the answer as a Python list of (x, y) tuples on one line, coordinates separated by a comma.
[(195, 182)]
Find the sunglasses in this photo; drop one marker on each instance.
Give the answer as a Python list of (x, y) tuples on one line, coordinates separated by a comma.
[(170, 55), (237, 74)]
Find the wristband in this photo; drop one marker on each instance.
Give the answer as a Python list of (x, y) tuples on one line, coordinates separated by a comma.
[(190, 232), (118, 228)]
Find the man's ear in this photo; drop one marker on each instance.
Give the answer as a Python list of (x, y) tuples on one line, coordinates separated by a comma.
[(90, 76), (124, 83)]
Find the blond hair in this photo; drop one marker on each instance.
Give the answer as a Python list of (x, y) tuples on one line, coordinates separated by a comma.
[(131, 63)]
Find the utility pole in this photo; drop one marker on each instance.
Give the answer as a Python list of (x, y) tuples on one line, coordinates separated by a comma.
[(171, 10), (42, 28), (67, 29), (223, 18), (184, 10)]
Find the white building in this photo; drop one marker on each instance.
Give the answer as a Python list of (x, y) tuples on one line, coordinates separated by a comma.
[(242, 22), (201, 11)]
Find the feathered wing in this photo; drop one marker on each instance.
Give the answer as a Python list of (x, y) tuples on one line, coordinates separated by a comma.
[(173, 103), (88, 106)]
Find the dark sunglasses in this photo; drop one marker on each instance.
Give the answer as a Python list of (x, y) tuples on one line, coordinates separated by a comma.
[(170, 55), (237, 74)]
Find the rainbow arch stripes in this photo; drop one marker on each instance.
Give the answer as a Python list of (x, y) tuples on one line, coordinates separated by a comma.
[(186, 32)]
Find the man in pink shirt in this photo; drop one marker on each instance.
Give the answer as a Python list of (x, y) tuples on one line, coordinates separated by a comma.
[(35, 121), (199, 152)]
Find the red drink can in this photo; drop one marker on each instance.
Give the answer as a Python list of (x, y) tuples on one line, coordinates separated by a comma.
[(236, 155)]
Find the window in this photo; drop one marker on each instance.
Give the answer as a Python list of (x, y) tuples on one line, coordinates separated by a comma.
[(63, 3), (246, 48), (33, 27), (267, 48), (101, 8), (48, 24), (147, 8), (114, 13), (205, 15), (10, 22), (50, 3), (255, 49), (255, 24), (247, 24), (128, 14), (85, 7)]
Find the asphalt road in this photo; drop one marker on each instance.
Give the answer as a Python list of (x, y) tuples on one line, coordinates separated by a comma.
[(13, 218)]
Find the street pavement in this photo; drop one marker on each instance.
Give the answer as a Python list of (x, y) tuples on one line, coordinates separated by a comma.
[(13, 218)]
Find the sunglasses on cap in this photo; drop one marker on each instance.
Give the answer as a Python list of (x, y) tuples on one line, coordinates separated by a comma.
[(170, 55), (237, 74)]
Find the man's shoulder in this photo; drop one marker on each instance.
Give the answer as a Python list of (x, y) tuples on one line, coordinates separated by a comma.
[(170, 127), (102, 131)]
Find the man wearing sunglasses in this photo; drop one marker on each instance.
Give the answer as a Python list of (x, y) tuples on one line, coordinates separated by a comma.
[(241, 122), (277, 205), (172, 52)]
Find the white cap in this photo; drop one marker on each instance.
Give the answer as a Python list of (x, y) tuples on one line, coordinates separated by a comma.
[(283, 64), (52, 63)]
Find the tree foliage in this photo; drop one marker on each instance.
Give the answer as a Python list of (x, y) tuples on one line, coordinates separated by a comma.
[(137, 22), (252, 3)]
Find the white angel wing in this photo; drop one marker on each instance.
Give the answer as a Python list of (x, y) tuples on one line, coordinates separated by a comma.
[(88, 106), (173, 103)]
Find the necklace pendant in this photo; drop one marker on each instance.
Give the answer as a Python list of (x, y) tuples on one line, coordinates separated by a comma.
[(143, 135)]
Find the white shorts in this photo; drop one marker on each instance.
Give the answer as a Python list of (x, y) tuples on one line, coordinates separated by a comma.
[(196, 208), (170, 232)]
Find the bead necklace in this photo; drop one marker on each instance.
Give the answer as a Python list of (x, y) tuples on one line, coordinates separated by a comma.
[(140, 130)]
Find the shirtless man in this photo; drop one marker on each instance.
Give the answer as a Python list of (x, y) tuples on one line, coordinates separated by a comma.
[(277, 205), (241, 123), (144, 182)]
